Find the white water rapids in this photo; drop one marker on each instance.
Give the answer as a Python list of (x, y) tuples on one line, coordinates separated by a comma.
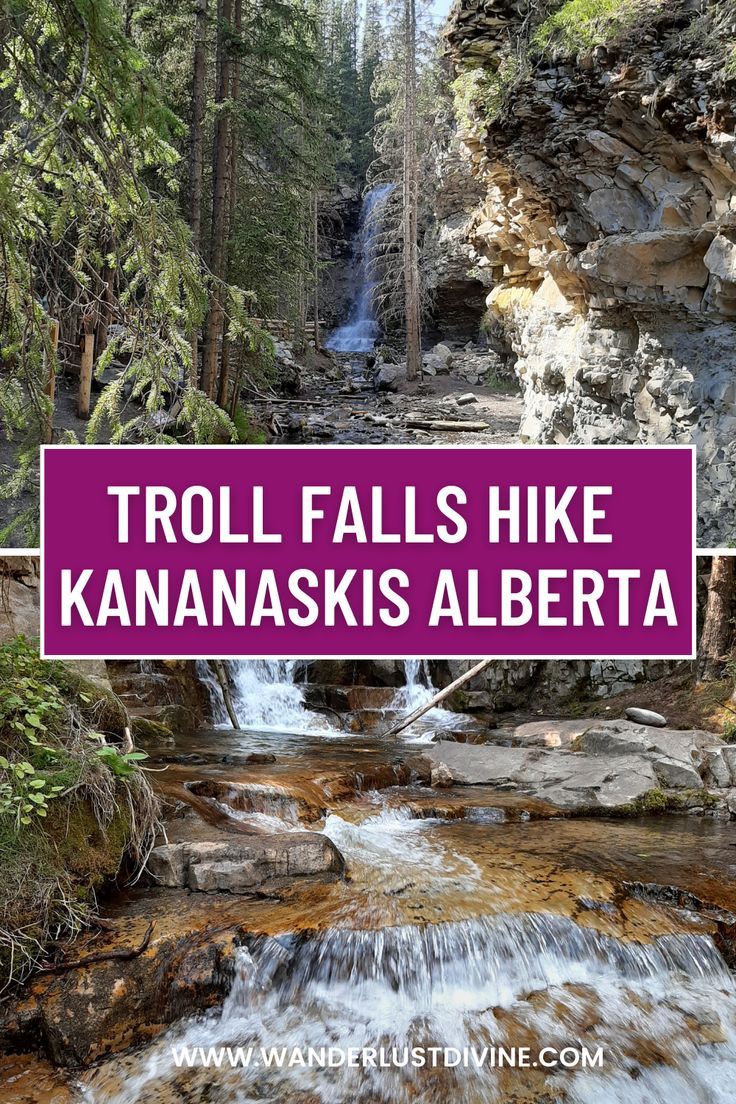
[(663, 1011), (267, 699)]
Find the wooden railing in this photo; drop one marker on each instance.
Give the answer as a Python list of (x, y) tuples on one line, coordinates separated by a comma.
[(285, 330)]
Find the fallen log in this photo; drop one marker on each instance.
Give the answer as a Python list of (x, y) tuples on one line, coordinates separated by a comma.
[(440, 696), (439, 426), (297, 402)]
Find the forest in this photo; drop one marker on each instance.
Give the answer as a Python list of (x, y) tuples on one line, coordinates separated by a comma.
[(164, 168)]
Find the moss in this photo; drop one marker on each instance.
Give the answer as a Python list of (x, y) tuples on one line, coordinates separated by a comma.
[(60, 850), (656, 801), (248, 433), (49, 872), (97, 703), (661, 801), (478, 92), (579, 25), (147, 731)]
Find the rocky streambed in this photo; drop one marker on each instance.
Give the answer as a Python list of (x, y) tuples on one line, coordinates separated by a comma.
[(465, 397), (324, 888)]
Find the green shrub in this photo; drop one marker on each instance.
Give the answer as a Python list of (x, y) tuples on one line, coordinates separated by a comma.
[(729, 732), (479, 92), (72, 805), (582, 24)]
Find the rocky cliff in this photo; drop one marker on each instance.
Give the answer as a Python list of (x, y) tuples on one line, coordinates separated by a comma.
[(603, 134)]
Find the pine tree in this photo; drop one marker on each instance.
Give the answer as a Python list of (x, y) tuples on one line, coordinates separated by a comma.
[(405, 93)]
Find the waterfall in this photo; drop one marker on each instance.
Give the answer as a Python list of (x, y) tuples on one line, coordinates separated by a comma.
[(359, 333), (418, 688), (417, 691), (533, 979), (265, 697)]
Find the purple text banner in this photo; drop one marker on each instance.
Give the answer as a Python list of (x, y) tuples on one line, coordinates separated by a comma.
[(323, 552)]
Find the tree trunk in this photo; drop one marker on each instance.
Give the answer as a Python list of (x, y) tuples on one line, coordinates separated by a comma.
[(220, 206), (717, 633), (227, 351), (226, 695), (439, 696), (128, 18), (105, 310), (410, 201), (196, 160), (315, 243), (196, 142)]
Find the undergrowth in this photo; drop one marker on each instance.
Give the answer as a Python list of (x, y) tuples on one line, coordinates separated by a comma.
[(583, 24), (73, 805)]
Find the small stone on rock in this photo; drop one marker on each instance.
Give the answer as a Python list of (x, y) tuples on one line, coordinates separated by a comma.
[(645, 717)]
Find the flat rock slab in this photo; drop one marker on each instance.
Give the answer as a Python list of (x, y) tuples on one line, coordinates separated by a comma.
[(244, 864), (569, 780), (552, 733), (614, 765)]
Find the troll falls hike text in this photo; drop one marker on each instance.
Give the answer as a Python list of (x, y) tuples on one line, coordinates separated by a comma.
[(328, 551)]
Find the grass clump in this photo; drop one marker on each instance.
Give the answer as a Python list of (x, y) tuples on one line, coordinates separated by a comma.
[(729, 732), (73, 806), (580, 25), (482, 94), (247, 432)]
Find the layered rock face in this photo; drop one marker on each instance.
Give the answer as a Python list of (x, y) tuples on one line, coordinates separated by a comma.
[(339, 213), (455, 277), (609, 224)]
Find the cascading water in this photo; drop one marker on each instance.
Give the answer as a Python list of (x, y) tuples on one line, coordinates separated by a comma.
[(469, 987), (416, 692), (360, 332), (265, 697)]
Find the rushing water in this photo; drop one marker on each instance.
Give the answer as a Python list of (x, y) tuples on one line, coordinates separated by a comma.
[(467, 935), (468, 973), (360, 332), (265, 697), (417, 691)]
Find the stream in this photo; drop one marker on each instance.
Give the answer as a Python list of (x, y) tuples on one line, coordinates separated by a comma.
[(470, 921)]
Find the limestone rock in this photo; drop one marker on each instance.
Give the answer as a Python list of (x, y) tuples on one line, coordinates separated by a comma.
[(607, 226), (552, 733), (568, 780)]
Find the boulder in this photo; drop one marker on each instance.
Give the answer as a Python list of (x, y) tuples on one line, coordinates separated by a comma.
[(442, 353), (244, 863), (388, 377), (85, 1014), (645, 717)]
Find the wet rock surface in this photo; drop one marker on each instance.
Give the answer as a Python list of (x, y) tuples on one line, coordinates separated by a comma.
[(437, 880), (243, 865)]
